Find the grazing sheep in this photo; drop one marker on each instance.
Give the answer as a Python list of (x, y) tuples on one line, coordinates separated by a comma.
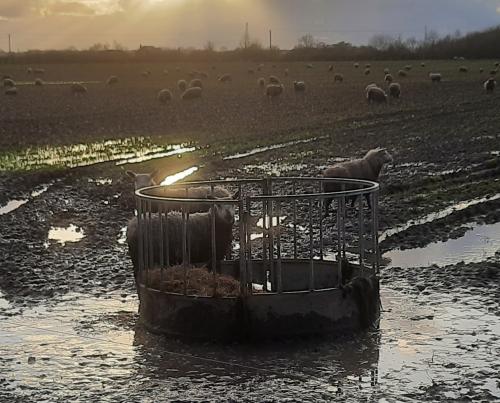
[(408, 67), (338, 78), (330, 68), (112, 80), (356, 65), (182, 85), (195, 83), (198, 234), (165, 96), (367, 72), (274, 90), (435, 77), (402, 73), (78, 89), (8, 82), (7, 76), (309, 66), (29, 70), (395, 90), (368, 66), (370, 86), (225, 78), (388, 78), (463, 69), (261, 81), (274, 80), (146, 73), (39, 71), (376, 94), (497, 64), (489, 85), (422, 64), (11, 91), (191, 93), (481, 70), (38, 82), (367, 168), (386, 71), (299, 86)]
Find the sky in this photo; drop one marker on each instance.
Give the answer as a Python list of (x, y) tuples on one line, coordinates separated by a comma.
[(59, 24)]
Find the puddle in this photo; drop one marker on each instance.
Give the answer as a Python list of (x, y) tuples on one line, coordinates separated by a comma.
[(63, 235), (436, 215), (275, 168), (12, 205), (101, 181), (122, 236), (259, 150), (478, 244), (124, 151), (169, 180), (85, 348)]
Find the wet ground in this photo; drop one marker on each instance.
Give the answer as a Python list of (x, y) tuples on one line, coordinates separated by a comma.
[(68, 323)]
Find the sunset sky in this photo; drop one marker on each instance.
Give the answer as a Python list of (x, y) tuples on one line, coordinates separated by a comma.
[(57, 24)]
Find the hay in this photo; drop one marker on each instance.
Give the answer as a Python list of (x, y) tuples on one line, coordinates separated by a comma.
[(200, 282)]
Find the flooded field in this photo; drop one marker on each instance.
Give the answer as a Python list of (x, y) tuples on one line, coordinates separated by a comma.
[(68, 308)]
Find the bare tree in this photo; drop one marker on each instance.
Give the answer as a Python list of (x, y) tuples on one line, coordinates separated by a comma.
[(307, 41)]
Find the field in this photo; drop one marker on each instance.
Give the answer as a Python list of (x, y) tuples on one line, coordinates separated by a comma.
[(58, 170)]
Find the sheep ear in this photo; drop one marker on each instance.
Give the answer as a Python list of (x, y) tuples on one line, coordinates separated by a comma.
[(131, 174)]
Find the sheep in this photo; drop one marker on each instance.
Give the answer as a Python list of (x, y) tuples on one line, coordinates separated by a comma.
[(489, 85), (338, 78), (11, 91), (198, 236), (395, 90), (164, 96), (38, 82), (481, 70), (368, 66), (376, 94), (112, 80), (146, 73), (493, 72), (388, 78), (309, 66), (497, 64), (370, 86), (261, 81), (408, 67), (299, 86), (463, 69), (8, 82), (274, 80), (195, 83), (29, 71), (191, 93), (422, 64), (274, 90), (182, 85), (367, 72), (367, 168), (39, 71), (78, 89), (225, 78), (386, 71), (435, 77), (330, 68), (356, 65), (402, 73), (285, 73)]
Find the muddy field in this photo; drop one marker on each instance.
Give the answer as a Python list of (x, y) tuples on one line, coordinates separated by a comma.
[(67, 298)]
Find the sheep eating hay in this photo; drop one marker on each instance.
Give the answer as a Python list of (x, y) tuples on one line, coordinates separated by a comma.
[(368, 168), (198, 236)]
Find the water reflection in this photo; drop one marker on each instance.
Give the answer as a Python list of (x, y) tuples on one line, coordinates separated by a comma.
[(63, 235)]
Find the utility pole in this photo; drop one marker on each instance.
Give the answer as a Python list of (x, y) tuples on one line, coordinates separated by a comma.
[(270, 39), (10, 45), (425, 34), (246, 35)]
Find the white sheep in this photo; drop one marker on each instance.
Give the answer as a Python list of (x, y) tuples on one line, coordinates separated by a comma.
[(11, 91), (29, 70), (146, 73), (356, 65), (196, 83), (386, 71), (422, 64), (164, 96), (338, 78), (367, 71), (274, 90), (368, 66), (182, 85), (463, 69), (402, 73), (489, 85), (330, 68), (38, 82), (274, 80), (112, 80), (78, 89), (408, 67), (367, 168), (309, 66), (395, 90), (198, 236), (192, 93), (142, 180), (388, 78), (8, 82), (299, 86), (376, 94), (261, 81), (435, 77)]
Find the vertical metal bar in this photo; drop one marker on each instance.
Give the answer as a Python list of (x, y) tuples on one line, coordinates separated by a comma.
[(375, 230), (294, 220), (167, 237), (213, 246), (184, 245), (278, 249), (361, 234), (160, 241), (344, 212), (243, 268), (150, 237), (270, 227), (140, 235), (320, 201), (248, 236), (339, 243), (311, 252)]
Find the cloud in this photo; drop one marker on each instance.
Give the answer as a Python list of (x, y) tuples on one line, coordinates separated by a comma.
[(17, 8), (69, 8)]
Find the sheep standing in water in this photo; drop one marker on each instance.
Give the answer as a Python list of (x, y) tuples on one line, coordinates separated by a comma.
[(368, 168), (198, 236), (489, 85)]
